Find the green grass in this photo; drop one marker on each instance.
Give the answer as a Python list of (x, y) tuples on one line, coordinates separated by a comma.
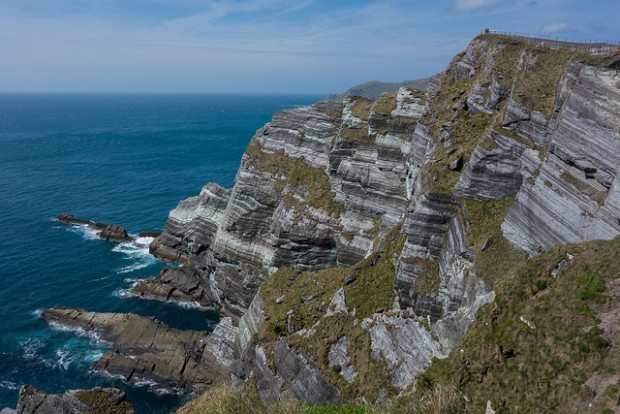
[(292, 173), (554, 357), (97, 400), (372, 291), (500, 257), (245, 400)]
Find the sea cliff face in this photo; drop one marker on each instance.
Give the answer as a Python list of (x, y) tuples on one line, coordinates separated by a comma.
[(361, 236)]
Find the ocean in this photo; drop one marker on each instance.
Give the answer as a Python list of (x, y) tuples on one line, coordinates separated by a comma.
[(118, 159)]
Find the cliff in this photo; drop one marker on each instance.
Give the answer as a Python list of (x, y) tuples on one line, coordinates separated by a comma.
[(360, 237)]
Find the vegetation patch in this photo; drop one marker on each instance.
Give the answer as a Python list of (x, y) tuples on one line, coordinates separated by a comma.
[(535, 347), (291, 174), (304, 301), (494, 256), (465, 133), (361, 108), (538, 80), (596, 195), (97, 400), (356, 135), (245, 400), (385, 104)]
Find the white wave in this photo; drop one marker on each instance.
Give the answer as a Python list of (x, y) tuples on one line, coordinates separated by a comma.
[(126, 292), (65, 358), (78, 331), (37, 312), (137, 251), (93, 356), (85, 231), (31, 347), (190, 305), (9, 385)]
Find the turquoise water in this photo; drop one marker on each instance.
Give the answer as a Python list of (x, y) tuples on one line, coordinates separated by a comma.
[(121, 159)]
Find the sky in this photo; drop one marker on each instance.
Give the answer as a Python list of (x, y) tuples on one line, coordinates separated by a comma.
[(260, 46)]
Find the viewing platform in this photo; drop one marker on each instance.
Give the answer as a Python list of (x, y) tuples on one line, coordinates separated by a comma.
[(594, 47)]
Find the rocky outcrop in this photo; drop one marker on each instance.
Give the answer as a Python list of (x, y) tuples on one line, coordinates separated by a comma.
[(110, 232), (569, 196), (494, 170), (315, 187), (175, 284), (96, 400), (295, 377), (144, 348)]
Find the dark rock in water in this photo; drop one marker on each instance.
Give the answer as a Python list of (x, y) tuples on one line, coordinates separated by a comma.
[(144, 348), (175, 284), (110, 232), (95, 400), (149, 234), (113, 232)]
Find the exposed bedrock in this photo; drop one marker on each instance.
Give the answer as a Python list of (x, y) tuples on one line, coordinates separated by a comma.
[(571, 194), (146, 349), (110, 232), (315, 187), (95, 400), (494, 170), (295, 376), (176, 284)]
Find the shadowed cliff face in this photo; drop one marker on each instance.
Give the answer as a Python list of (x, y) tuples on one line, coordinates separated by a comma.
[(373, 231)]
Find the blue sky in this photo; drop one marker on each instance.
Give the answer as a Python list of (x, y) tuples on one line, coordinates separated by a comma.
[(259, 46)]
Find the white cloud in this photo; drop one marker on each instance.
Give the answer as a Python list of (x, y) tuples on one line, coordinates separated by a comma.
[(466, 5), (552, 28)]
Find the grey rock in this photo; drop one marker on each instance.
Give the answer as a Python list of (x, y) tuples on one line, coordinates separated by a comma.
[(295, 377), (144, 348), (492, 174), (110, 232), (34, 401), (348, 280), (338, 356), (456, 164)]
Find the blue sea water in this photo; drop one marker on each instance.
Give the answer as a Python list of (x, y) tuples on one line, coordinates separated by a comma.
[(121, 159)]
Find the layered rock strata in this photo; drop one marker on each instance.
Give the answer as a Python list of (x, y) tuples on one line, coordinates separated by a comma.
[(144, 348)]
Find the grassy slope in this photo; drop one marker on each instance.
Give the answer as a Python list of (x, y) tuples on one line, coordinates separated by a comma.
[(563, 345)]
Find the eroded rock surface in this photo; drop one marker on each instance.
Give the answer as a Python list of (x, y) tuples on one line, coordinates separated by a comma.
[(144, 348), (96, 400)]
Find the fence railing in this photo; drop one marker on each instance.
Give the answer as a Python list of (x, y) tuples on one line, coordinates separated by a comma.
[(589, 46)]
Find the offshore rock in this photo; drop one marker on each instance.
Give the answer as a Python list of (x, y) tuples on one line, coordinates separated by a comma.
[(110, 232), (175, 284), (96, 400), (146, 349)]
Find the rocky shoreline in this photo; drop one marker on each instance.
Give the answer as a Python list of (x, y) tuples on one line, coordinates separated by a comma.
[(361, 237), (146, 349)]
